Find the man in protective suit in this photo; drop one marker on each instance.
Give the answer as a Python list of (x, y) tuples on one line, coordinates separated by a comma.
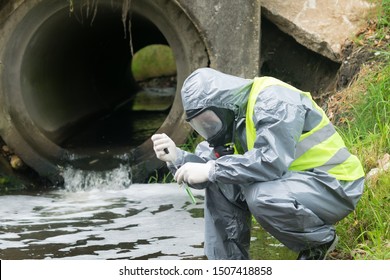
[(270, 152)]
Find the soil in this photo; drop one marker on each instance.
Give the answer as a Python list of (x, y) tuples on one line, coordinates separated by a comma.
[(355, 55), (359, 52)]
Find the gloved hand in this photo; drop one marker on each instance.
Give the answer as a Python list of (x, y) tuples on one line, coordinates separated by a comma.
[(193, 173), (162, 142)]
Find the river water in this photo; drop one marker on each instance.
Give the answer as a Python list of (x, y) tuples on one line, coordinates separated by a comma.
[(101, 215)]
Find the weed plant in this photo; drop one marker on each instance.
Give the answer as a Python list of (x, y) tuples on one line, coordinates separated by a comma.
[(365, 234)]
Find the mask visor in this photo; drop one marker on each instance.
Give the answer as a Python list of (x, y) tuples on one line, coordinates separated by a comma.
[(207, 124)]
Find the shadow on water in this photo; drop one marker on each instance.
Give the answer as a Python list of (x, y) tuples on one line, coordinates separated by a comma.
[(104, 216)]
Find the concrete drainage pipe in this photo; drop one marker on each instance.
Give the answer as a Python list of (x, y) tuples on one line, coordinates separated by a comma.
[(65, 74), (65, 85)]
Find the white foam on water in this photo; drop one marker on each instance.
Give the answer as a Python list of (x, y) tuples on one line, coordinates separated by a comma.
[(100, 217), (84, 180)]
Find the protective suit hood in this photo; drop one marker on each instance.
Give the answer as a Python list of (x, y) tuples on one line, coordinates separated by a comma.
[(207, 87)]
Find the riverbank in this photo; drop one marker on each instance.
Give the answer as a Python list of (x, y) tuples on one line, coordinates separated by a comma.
[(362, 114)]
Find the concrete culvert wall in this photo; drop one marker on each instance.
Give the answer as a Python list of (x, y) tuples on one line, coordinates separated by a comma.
[(67, 89)]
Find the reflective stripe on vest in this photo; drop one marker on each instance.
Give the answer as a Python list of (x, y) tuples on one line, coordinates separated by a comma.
[(321, 148)]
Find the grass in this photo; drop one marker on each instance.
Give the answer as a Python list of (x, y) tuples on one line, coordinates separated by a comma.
[(366, 130), (365, 233), (366, 125), (363, 120)]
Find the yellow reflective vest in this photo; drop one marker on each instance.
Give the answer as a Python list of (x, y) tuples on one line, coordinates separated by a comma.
[(321, 148)]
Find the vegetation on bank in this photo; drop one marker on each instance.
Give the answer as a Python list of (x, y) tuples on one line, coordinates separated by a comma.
[(362, 114), (366, 129)]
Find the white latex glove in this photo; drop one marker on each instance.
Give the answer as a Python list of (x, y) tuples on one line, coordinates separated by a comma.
[(193, 173), (161, 144)]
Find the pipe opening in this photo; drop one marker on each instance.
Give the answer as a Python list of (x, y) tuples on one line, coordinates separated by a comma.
[(69, 95), (78, 86)]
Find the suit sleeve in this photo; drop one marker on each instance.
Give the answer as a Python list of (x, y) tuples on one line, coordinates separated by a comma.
[(279, 121)]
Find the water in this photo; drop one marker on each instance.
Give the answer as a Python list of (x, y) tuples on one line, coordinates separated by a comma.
[(102, 218), (101, 215)]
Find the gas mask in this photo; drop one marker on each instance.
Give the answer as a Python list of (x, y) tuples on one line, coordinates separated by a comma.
[(217, 126)]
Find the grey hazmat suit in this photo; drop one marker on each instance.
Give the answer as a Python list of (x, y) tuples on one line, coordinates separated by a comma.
[(299, 208)]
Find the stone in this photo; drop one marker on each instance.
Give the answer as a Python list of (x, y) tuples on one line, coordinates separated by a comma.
[(16, 162), (383, 166), (321, 26)]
